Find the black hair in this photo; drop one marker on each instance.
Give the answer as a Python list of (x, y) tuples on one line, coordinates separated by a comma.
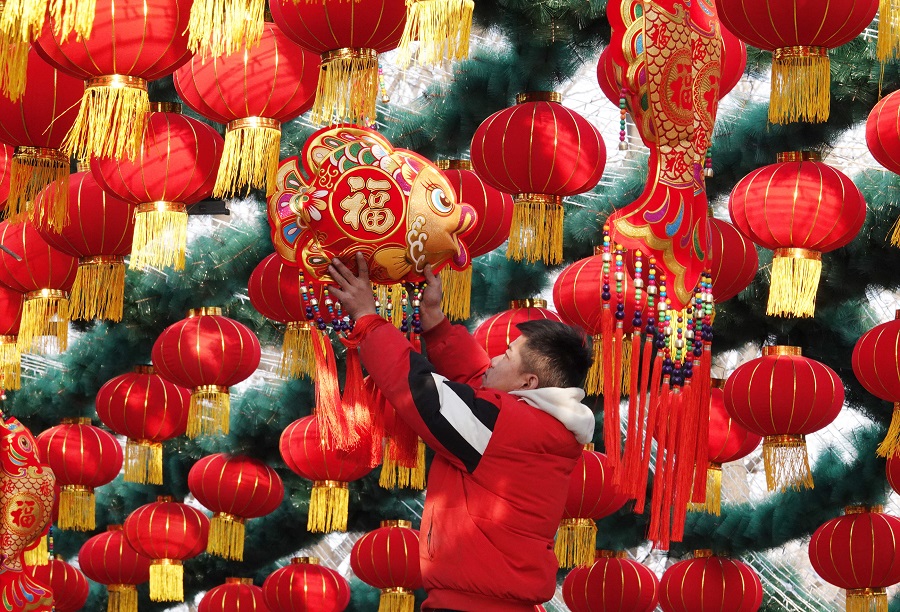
[(559, 354)]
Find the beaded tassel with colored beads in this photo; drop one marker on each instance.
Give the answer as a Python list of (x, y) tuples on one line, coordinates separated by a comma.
[(707, 164), (623, 111)]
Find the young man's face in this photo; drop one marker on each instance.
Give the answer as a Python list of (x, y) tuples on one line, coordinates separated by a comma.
[(506, 373)]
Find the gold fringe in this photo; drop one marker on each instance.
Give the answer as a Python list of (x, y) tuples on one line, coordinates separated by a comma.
[(31, 170), (394, 475), (166, 580), (626, 364), (441, 27), (99, 290), (160, 239), (39, 555), (110, 122), (795, 282), (395, 292), (226, 537), (297, 356), (890, 446), (867, 600), (895, 233), (45, 324), (786, 463), (144, 462), (537, 229), (23, 20), (888, 30), (10, 363), (250, 159), (210, 411), (72, 16), (122, 598), (76, 509), (713, 503), (801, 88), (328, 507), (13, 67), (457, 295), (576, 542), (396, 600), (223, 27), (348, 88), (593, 385)]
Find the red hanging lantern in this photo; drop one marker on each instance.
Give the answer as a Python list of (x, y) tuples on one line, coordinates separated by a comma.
[(876, 364), (387, 558), (592, 495), (36, 124), (330, 469), (98, 230), (11, 303), (83, 457), (441, 28), (174, 168), (349, 36), (235, 488), (883, 139), (69, 586), (709, 582), (496, 333), (206, 353), (799, 208), (236, 595), (614, 583), (148, 410), (306, 585), (541, 151), (493, 209), (167, 532), (858, 552), (253, 91), (122, 54), (784, 397), (733, 262), (801, 70), (110, 560)]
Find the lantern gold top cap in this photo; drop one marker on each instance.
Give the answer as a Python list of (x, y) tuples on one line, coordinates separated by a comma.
[(397, 523), (114, 527), (588, 447), (204, 311), (795, 156), (235, 580), (769, 351), (703, 553), (76, 421), (717, 383), (611, 554), (144, 368), (164, 499), (165, 107), (528, 303), (305, 561), (897, 314), (861, 509), (454, 164), (538, 96)]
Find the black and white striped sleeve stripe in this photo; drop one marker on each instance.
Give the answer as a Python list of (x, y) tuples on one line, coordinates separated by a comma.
[(454, 415)]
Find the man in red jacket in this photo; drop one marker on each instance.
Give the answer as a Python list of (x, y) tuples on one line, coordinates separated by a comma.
[(506, 432)]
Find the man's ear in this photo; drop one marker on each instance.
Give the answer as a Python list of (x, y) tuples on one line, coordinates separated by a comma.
[(530, 381)]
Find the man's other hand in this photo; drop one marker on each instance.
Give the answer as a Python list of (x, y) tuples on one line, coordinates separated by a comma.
[(430, 301), (353, 292)]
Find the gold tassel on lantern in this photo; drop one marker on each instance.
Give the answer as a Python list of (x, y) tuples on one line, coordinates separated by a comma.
[(713, 503), (801, 85), (111, 118), (39, 555), (99, 289), (24, 19), (166, 580), (45, 322), (226, 536), (441, 27), (593, 384), (888, 30), (786, 463), (397, 599), (76, 508), (13, 66), (210, 411), (890, 446), (223, 27), (143, 462), (576, 541), (395, 475), (10, 363), (348, 87), (536, 232), (250, 158), (32, 169), (122, 598), (795, 282), (328, 507), (160, 235), (867, 600), (297, 356), (457, 295)]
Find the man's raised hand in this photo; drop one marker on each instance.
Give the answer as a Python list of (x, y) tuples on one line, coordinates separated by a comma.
[(430, 300), (354, 292)]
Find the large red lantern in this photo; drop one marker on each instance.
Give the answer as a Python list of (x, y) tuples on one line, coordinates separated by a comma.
[(236, 595), (175, 167), (710, 583), (330, 469), (876, 363), (148, 410), (784, 397), (349, 36), (253, 91), (83, 457), (858, 552), (614, 583), (883, 139), (167, 532), (496, 333), (801, 70), (36, 125), (69, 586), (541, 151), (98, 230), (592, 495), (733, 262), (306, 585), (11, 303), (110, 560), (388, 559), (799, 208), (207, 353), (235, 488), (122, 54)]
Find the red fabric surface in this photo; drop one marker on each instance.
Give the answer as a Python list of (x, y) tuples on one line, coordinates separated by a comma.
[(388, 557), (606, 77), (326, 26), (237, 485), (108, 558), (69, 586), (611, 585), (733, 262), (876, 361), (41, 267), (81, 454), (591, 491), (6, 153), (142, 406), (233, 597), (497, 332), (733, 62), (712, 584), (857, 551), (10, 311), (302, 587), (274, 289), (728, 441), (167, 530), (24, 593), (493, 209), (883, 132), (893, 472), (302, 451)]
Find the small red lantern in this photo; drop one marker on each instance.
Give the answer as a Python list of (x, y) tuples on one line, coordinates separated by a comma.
[(207, 353), (236, 595), (167, 532), (116, 62), (235, 488), (98, 230), (733, 262), (592, 496), (109, 559), (388, 559), (883, 139), (69, 586), (858, 552), (330, 469), (614, 583), (253, 91), (709, 582), (496, 333), (11, 303), (175, 167), (541, 151), (784, 396), (148, 410), (83, 457), (306, 585), (876, 364), (799, 208)]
